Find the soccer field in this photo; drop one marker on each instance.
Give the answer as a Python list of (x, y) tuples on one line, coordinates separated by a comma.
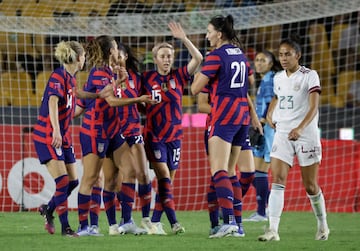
[(24, 231)]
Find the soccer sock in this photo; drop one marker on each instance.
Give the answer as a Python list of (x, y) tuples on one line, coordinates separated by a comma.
[(109, 205), (158, 209), (213, 206), (318, 205), (225, 195), (95, 204), (276, 205), (127, 200), (246, 178), (60, 199), (237, 198), (145, 198), (83, 209), (262, 191), (72, 185), (166, 198)]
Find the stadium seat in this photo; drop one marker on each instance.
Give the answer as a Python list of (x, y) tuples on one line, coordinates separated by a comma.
[(322, 60), (344, 81), (16, 86)]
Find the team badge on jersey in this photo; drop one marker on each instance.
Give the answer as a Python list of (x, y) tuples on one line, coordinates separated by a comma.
[(172, 83), (105, 81), (164, 87), (157, 154), (297, 87), (101, 147)]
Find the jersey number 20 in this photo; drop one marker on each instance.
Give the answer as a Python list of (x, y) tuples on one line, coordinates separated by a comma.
[(238, 79)]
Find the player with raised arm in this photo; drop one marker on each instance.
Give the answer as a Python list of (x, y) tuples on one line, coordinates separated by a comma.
[(163, 130), (294, 113)]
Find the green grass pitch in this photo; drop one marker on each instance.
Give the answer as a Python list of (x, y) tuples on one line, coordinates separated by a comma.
[(24, 231)]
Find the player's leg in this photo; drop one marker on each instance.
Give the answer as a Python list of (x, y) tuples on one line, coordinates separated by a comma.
[(316, 197)]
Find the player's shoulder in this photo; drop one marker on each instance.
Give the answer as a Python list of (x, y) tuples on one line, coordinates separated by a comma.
[(306, 71)]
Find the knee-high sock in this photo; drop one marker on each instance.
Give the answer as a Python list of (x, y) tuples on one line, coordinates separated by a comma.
[(276, 205), (145, 198), (166, 198), (158, 209), (261, 183), (237, 198), (318, 205), (246, 178), (213, 206), (109, 204), (225, 195), (60, 199), (95, 205), (72, 185), (127, 200), (83, 209)]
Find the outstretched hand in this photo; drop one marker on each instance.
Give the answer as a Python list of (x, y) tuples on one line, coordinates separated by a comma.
[(147, 99), (177, 30)]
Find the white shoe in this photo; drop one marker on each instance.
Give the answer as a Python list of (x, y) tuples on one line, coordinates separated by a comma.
[(95, 231), (131, 228), (83, 231), (159, 228), (225, 230), (177, 228), (322, 234), (269, 235), (148, 225), (113, 229), (255, 217)]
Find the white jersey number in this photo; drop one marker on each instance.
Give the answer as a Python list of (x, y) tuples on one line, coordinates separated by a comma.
[(238, 79)]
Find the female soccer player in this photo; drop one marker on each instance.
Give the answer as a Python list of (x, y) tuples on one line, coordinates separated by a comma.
[(245, 164), (266, 66), (294, 113), (134, 162), (162, 130), (226, 69), (99, 133), (52, 137)]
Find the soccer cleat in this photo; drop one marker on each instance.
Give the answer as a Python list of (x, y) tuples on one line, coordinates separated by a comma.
[(148, 226), (225, 230), (131, 228), (69, 232), (322, 234), (240, 232), (255, 217), (177, 228), (113, 229), (94, 231), (49, 219), (214, 230), (83, 231), (159, 228), (269, 235)]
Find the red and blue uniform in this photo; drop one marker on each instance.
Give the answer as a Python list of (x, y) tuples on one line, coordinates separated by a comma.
[(62, 84), (230, 116), (129, 114), (100, 127), (163, 131)]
